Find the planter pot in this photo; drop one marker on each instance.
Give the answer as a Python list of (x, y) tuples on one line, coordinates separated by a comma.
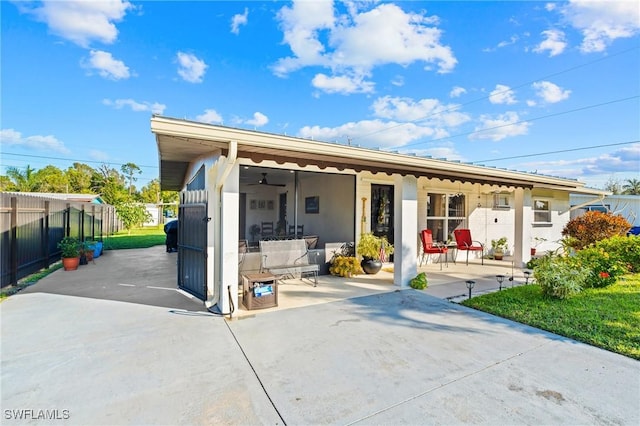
[(97, 249), (533, 252), (371, 266), (70, 263), (498, 255), (90, 255)]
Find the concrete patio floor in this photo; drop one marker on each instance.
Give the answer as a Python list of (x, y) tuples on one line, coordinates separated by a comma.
[(116, 344)]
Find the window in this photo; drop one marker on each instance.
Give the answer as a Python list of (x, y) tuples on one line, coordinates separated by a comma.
[(501, 201), (445, 212), (541, 211)]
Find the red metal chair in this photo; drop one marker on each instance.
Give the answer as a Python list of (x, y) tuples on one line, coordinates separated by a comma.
[(429, 248), (464, 242)]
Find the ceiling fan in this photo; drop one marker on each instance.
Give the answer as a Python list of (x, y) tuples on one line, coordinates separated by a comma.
[(263, 181)]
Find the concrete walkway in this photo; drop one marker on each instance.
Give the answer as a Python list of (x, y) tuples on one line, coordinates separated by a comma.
[(392, 357)]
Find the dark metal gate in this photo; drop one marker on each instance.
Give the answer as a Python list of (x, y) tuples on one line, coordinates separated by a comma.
[(192, 242)]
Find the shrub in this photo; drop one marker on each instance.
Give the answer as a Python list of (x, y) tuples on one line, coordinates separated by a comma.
[(559, 278), (625, 249), (594, 226), (419, 282), (345, 266), (604, 267)]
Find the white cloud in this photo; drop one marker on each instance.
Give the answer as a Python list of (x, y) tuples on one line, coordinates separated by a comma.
[(239, 19), (500, 127), (398, 81), (550, 92), (554, 42), (369, 133), (502, 95), (445, 150), (210, 116), (191, 68), (624, 160), (11, 137), (512, 40), (258, 120), (342, 84), (602, 22), (154, 108), (80, 21), (427, 111), (106, 65), (346, 44), (98, 155), (457, 91)]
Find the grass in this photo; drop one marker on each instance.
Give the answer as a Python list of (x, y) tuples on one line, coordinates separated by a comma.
[(138, 238), (608, 318)]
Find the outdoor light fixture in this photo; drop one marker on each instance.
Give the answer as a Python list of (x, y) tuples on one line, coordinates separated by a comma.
[(470, 285), (527, 274), (500, 279)]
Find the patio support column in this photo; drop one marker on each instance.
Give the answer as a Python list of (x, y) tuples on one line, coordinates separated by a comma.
[(522, 231), (405, 263), (228, 240)]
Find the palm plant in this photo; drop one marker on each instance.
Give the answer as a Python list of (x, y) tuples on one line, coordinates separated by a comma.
[(632, 187)]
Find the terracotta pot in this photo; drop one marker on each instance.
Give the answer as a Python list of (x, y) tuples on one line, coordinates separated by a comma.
[(89, 254), (70, 263), (533, 252)]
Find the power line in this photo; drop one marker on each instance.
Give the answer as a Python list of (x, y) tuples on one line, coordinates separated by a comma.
[(457, 107), (71, 159), (557, 152), (526, 121)]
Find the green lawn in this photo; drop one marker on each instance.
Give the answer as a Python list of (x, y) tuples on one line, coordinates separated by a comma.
[(139, 238), (608, 318)]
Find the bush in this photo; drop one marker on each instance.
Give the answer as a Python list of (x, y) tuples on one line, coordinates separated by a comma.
[(419, 282), (624, 249), (604, 267), (594, 226), (558, 278), (345, 266)]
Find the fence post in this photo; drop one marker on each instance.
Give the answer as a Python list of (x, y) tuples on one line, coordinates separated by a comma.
[(13, 242), (67, 221), (82, 215), (47, 250)]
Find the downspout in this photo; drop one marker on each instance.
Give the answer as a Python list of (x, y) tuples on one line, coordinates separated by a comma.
[(229, 163)]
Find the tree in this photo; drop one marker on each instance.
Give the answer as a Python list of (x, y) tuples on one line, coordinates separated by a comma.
[(150, 193), (132, 214), (6, 184), (79, 176), (128, 170), (110, 185), (612, 185), (631, 187), (23, 181), (51, 179)]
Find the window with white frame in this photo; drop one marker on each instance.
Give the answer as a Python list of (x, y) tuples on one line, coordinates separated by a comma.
[(445, 212), (501, 200), (541, 211)]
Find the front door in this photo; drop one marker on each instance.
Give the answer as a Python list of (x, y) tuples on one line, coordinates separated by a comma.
[(382, 211)]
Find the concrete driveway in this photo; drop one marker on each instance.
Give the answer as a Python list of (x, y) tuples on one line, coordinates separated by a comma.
[(400, 357)]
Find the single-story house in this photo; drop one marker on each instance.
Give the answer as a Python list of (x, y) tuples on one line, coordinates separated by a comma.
[(627, 206), (237, 184)]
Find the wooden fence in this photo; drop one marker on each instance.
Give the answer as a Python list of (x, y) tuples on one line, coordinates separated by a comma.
[(32, 226)]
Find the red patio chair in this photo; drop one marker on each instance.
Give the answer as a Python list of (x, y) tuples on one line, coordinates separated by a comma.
[(464, 242), (429, 248)]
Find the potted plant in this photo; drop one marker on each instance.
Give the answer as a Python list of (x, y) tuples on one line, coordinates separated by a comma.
[(373, 250), (345, 266), (499, 246), (254, 230), (70, 253), (536, 242)]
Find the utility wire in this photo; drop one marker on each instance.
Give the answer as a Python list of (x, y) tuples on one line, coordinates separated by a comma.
[(71, 159), (457, 107), (526, 121), (557, 152)]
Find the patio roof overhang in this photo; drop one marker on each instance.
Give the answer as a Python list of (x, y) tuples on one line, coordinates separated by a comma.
[(180, 142)]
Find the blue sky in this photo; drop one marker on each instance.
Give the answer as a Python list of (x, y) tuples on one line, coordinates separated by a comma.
[(493, 83)]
